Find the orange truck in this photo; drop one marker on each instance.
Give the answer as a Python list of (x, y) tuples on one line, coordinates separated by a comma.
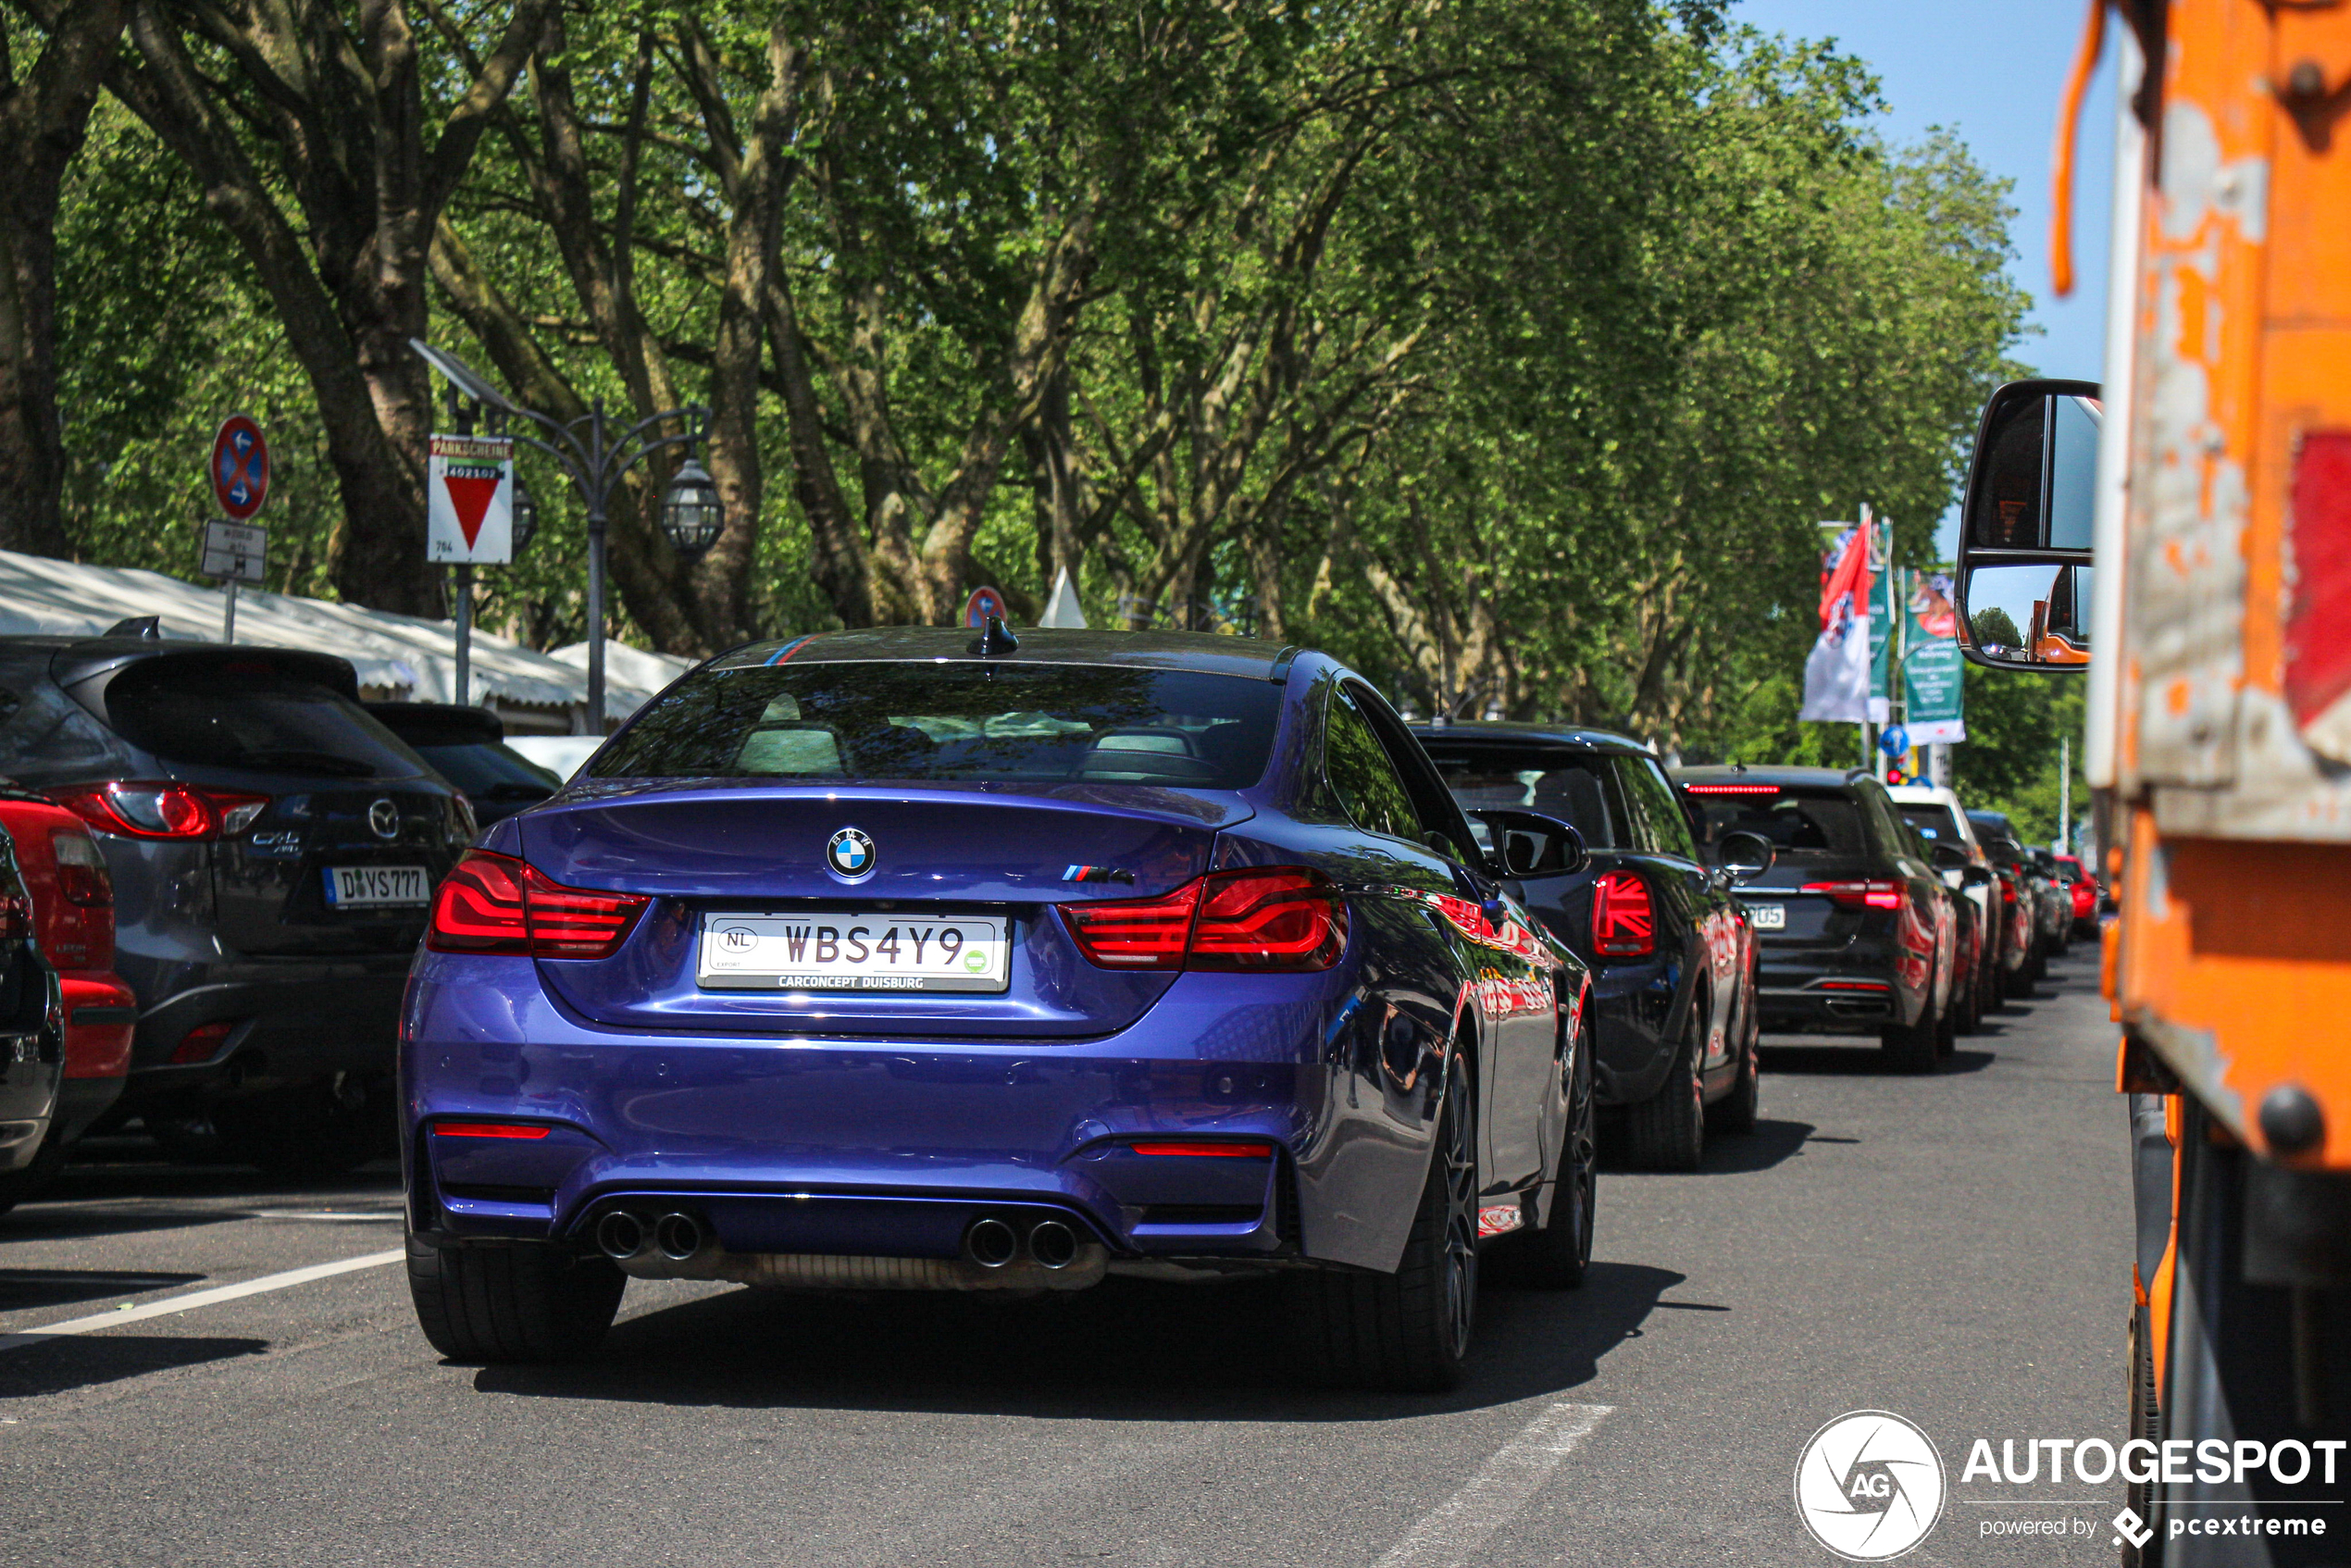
[(2180, 535)]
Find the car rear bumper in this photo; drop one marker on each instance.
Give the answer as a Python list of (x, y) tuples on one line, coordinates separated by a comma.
[(891, 1149), (1857, 987), (28, 1104), (288, 1023)]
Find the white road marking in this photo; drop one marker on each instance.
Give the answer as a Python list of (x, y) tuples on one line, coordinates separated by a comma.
[(1448, 1533), (170, 1304)]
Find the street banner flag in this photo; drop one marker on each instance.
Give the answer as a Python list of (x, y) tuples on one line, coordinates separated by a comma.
[(1932, 667), (469, 486), (1837, 676)]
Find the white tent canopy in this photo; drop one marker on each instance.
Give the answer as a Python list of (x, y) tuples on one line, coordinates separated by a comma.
[(396, 657), (639, 668)]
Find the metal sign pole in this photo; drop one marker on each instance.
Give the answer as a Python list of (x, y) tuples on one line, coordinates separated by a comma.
[(229, 616), (465, 608)]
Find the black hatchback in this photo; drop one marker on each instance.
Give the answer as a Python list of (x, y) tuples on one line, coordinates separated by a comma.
[(272, 850), (1672, 967), (1855, 926)]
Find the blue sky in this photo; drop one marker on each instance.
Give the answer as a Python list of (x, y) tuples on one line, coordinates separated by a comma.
[(1993, 71)]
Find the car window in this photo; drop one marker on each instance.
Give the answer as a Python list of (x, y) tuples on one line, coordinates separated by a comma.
[(250, 716), (1933, 820), (1045, 723), (1893, 835), (1579, 788), (1362, 775), (490, 772), (1658, 824), (1801, 822), (45, 734)]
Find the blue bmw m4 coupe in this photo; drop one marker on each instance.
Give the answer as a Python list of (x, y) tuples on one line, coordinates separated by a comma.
[(912, 959)]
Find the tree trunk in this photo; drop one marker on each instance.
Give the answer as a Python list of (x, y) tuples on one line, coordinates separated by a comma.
[(43, 119)]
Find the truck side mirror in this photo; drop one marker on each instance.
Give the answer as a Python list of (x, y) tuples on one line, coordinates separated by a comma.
[(2025, 560)]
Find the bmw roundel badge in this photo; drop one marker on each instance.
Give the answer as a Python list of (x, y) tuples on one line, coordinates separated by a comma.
[(851, 854)]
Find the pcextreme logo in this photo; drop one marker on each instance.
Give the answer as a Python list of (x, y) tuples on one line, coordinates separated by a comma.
[(1869, 1486)]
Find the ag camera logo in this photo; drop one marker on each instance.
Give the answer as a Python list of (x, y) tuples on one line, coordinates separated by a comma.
[(1869, 1486)]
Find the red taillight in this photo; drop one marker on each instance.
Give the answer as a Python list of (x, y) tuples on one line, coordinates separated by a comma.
[(199, 1043), (1624, 924), (1855, 986), (496, 903), (486, 1129), (1859, 895), (1207, 1151), (2007, 891), (81, 870), (135, 809), (1280, 919)]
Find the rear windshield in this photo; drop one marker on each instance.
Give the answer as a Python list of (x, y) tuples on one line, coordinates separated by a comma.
[(1935, 823), (251, 717), (1801, 824), (1576, 787), (490, 772), (954, 721)]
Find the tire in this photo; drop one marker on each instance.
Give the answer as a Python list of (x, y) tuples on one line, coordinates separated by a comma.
[(1914, 1047), (1946, 1032), (1736, 1112), (2147, 1420), (516, 1302), (1407, 1331), (1667, 1131), (48, 1161), (2019, 984), (1556, 1256)]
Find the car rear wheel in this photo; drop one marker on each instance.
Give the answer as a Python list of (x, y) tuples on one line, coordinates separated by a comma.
[(1667, 1131), (1916, 1048), (322, 1129), (1736, 1112), (516, 1302), (1555, 1256), (1410, 1330)]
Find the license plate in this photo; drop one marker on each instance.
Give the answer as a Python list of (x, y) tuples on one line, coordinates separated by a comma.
[(373, 887), (854, 950), (1768, 916)]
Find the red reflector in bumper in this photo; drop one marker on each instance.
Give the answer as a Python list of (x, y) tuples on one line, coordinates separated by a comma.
[(1855, 986), (1208, 1150), (485, 1129)]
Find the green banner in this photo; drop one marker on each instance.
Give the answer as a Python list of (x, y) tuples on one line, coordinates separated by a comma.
[(1933, 689)]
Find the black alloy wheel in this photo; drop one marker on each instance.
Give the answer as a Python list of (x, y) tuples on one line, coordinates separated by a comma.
[(1667, 1131), (1407, 1331), (1555, 1255)]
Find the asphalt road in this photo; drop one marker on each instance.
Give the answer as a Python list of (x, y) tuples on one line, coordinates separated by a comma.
[(1955, 1250)]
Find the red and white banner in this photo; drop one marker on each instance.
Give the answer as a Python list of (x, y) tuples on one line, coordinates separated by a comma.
[(1837, 676), (469, 487)]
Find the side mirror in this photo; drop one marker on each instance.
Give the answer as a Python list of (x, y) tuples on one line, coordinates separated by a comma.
[(1950, 857), (1746, 856), (1975, 876), (1527, 843), (2026, 559)]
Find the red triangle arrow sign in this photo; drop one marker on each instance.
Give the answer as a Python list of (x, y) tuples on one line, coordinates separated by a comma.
[(471, 499)]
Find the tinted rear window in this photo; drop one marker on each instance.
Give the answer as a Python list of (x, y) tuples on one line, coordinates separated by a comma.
[(251, 717), (1935, 824), (956, 721), (490, 773), (1801, 824), (1579, 788)]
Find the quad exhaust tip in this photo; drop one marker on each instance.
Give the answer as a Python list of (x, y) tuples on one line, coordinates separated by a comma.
[(991, 1243), (1053, 1244), (679, 1237), (620, 1235)]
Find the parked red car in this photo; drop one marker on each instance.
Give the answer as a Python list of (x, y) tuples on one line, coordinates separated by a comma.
[(2084, 888), (73, 922)]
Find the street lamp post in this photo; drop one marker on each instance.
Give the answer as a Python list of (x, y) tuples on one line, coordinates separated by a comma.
[(596, 461)]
